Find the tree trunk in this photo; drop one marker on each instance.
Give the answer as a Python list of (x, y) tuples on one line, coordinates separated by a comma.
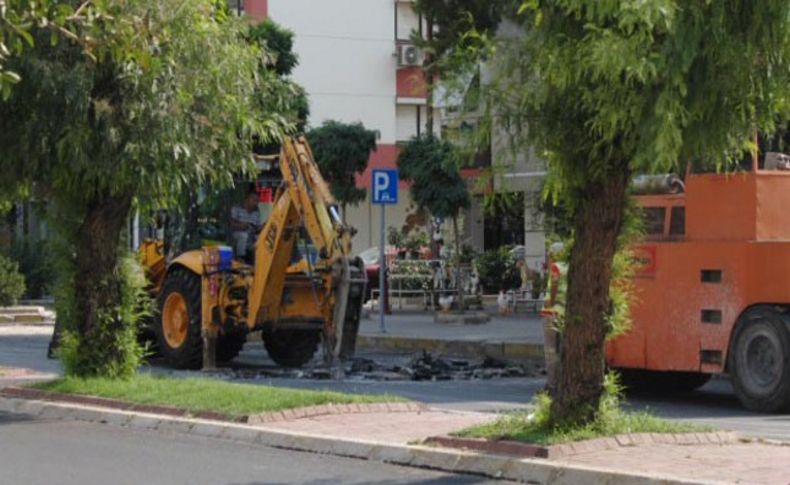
[(97, 281), (597, 224), (459, 286)]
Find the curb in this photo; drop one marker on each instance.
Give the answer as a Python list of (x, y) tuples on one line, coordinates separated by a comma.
[(524, 470), (469, 349), (259, 418), (566, 450)]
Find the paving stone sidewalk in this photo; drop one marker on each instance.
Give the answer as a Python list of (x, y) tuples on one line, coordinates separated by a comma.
[(740, 462)]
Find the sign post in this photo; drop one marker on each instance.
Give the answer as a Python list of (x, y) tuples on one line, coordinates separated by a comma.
[(385, 192)]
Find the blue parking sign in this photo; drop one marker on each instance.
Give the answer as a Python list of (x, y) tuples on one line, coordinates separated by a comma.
[(385, 186)]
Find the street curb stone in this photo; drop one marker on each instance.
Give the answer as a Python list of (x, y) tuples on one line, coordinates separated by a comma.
[(533, 471), (564, 450)]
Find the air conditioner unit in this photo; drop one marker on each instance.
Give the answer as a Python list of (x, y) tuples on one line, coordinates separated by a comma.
[(409, 55)]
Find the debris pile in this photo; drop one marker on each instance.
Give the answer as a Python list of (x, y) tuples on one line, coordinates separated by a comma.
[(421, 367)]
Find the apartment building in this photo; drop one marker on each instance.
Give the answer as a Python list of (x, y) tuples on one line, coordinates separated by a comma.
[(357, 64)]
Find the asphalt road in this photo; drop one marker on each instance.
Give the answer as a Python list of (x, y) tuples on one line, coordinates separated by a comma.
[(714, 405), (71, 452)]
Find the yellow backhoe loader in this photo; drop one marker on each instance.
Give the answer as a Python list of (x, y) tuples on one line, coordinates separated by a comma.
[(303, 288)]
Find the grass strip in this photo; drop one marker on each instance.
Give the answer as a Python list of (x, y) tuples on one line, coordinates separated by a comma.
[(518, 427), (201, 394)]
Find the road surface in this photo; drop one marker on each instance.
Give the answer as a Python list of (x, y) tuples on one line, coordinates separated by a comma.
[(79, 453), (714, 405)]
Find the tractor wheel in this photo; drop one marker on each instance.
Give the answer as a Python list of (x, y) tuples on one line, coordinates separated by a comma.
[(759, 360), (291, 348), (658, 381), (177, 323), (230, 344)]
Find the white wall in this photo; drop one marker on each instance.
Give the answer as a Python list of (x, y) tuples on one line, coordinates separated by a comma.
[(366, 218), (346, 60), (408, 20)]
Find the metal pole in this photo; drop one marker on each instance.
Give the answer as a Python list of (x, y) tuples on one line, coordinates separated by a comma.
[(382, 268)]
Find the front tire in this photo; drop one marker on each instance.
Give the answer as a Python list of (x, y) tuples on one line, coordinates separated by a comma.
[(759, 360), (177, 324)]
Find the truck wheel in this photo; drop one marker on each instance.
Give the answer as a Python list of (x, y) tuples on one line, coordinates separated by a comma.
[(291, 348), (230, 344), (759, 360), (177, 323)]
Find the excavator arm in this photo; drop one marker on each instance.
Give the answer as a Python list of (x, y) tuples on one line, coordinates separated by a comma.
[(304, 206)]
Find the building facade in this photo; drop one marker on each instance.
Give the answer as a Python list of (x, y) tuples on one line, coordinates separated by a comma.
[(356, 63)]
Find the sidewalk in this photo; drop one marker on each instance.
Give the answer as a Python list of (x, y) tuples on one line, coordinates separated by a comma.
[(394, 437), (511, 337)]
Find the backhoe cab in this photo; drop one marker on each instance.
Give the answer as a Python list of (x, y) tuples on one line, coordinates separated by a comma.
[(208, 300)]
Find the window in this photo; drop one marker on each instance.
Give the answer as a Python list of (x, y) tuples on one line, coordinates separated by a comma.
[(653, 218), (677, 225)]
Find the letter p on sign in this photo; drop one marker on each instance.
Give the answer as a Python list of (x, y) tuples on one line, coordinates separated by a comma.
[(385, 186)]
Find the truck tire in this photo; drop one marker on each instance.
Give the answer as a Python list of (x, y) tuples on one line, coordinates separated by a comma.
[(177, 323), (759, 360), (291, 348), (230, 344)]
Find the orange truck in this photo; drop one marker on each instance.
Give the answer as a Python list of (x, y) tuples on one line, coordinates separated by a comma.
[(713, 294)]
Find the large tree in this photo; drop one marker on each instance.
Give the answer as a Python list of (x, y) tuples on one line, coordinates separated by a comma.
[(608, 89), (166, 101), (342, 151)]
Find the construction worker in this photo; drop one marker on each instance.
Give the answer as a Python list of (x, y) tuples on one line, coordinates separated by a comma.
[(245, 222)]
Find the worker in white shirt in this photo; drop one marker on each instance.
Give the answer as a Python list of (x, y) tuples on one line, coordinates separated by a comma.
[(245, 221)]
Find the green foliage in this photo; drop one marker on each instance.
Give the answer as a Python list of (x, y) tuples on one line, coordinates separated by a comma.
[(194, 394), (148, 117), (118, 331), (498, 270), (165, 97), (12, 282), (342, 152), (639, 86), (538, 427), (432, 165), (279, 42), (275, 92), (463, 30), (35, 263), (410, 274)]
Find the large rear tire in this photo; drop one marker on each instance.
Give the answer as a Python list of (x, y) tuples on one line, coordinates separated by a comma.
[(177, 323), (291, 348), (759, 360)]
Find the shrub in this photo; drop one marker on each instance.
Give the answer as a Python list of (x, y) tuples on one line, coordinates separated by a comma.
[(80, 357), (12, 283), (35, 263), (498, 270), (411, 274)]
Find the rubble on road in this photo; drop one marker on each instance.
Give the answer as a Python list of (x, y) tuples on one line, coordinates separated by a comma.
[(421, 367)]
